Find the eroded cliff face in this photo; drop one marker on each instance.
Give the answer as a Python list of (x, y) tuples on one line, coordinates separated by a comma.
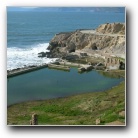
[(108, 38), (113, 28)]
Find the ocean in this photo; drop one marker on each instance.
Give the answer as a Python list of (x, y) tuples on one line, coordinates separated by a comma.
[(29, 32)]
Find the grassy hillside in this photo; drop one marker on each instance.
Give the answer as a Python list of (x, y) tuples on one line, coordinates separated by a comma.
[(81, 109)]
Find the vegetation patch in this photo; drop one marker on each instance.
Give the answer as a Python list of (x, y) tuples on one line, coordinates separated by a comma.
[(82, 109)]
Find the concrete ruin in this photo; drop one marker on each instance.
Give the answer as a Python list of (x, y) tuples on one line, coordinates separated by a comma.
[(113, 63), (34, 119)]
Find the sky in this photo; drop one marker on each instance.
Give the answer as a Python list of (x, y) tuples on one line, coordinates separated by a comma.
[(68, 9)]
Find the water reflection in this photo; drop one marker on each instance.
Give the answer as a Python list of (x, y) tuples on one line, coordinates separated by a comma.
[(47, 84)]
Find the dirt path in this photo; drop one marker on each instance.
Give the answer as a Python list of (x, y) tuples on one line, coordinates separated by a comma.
[(97, 33), (115, 123)]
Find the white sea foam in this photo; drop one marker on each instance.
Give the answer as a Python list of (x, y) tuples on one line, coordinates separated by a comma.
[(19, 57)]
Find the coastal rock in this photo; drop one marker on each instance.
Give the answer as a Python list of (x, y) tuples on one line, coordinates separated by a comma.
[(71, 57), (107, 38), (42, 54), (113, 28)]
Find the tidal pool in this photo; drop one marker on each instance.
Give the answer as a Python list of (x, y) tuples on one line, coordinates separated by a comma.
[(47, 84)]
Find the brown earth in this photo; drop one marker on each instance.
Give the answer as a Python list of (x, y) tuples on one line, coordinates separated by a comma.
[(107, 39)]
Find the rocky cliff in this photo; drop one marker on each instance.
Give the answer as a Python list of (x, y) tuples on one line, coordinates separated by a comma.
[(107, 38), (114, 28)]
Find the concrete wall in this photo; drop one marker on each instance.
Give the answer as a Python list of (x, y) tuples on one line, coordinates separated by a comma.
[(112, 63), (113, 67)]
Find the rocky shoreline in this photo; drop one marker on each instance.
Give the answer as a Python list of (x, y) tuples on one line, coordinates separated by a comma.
[(107, 39), (95, 46), (102, 47), (59, 65)]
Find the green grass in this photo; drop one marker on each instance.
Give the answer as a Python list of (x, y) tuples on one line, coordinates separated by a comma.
[(113, 73), (121, 59), (81, 109)]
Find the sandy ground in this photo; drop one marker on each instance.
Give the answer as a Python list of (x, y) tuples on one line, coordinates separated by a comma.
[(97, 33), (115, 123), (98, 53)]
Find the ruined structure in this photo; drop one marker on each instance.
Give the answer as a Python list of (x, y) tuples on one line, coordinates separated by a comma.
[(34, 119), (114, 63)]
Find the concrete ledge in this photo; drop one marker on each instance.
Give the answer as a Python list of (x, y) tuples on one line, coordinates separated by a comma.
[(87, 67), (60, 67), (25, 70), (70, 64)]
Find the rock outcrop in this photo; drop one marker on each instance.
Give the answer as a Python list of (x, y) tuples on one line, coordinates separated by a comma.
[(107, 38), (114, 28)]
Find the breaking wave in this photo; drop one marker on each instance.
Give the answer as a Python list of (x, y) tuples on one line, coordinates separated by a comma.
[(20, 57)]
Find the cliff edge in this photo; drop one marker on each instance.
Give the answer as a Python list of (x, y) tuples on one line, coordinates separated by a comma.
[(105, 40), (113, 28)]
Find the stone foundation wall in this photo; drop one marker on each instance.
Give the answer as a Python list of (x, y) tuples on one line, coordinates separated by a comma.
[(112, 63)]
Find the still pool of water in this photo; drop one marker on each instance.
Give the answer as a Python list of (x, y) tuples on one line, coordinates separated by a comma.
[(47, 84)]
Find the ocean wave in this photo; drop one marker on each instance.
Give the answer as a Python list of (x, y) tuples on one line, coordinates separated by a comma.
[(20, 57)]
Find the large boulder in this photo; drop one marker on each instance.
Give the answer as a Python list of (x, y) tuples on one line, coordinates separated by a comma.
[(42, 54)]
